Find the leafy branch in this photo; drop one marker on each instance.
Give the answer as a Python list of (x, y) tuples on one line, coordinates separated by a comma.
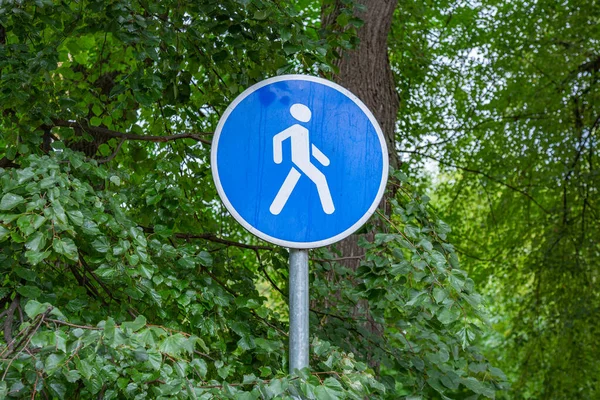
[(98, 130), (478, 172)]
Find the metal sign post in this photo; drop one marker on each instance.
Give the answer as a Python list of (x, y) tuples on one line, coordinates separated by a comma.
[(300, 162), (298, 358)]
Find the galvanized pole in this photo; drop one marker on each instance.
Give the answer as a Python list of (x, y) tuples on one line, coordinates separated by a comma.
[(298, 309)]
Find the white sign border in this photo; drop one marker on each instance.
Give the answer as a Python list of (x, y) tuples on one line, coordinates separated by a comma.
[(255, 231)]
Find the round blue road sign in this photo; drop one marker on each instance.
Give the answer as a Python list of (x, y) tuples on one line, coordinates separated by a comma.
[(299, 161)]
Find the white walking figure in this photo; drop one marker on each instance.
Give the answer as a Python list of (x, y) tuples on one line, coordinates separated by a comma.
[(301, 152)]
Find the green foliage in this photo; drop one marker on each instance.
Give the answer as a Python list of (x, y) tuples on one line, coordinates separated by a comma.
[(123, 276), (508, 110), (424, 312), (84, 268), (86, 258)]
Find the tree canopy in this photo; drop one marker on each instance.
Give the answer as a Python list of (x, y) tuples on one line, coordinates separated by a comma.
[(508, 111), (123, 276)]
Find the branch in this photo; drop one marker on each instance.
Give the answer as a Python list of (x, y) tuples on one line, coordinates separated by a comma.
[(271, 281), (6, 163), (83, 282), (24, 342), (59, 322), (590, 66), (86, 268), (213, 238), (235, 295), (474, 171), (131, 136), (269, 380), (493, 259), (8, 322), (109, 158), (330, 260), (581, 144)]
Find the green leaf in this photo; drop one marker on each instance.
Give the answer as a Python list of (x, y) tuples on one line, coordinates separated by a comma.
[(321, 347), (416, 298), (439, 294), (59, 212), (121, 248), (401, 176), (61, 340), (267, 345), (291, 48), (34, 308), (153, 199), (59, 389), (154, 360), (4, 233), (16, 388), (451, 380), (36, 242), (26, 273), (72, 376), (76, 217), (10, 201), (260, 15), (8, 218), (101, 245), (36, 257), (497, 373), (473, 384), (412, 231), (109, 328), (173, 345), (96, 109), (477, 367), (24, 175), (66, 247), (246, 396), (200, 365), (116, 180), (147, 337), (205, 258), (141, 355), (448, 315), (29, 223), (31, 292), (135, 325), (223, 372), (276, 387), (332, 390), (104, 149), (356, 22), (186, 262), (426, 244), (220, 56), (138, 236), (90, 227)]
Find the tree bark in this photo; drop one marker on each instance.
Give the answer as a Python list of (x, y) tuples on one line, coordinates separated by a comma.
[(366, 72)]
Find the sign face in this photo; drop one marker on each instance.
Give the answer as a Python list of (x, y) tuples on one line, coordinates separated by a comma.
[(299, 161)]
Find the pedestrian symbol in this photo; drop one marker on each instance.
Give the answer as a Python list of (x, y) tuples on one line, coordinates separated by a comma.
[(301, 148), (299, 161)]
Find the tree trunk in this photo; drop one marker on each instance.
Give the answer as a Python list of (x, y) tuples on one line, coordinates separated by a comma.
[(366, 72)]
